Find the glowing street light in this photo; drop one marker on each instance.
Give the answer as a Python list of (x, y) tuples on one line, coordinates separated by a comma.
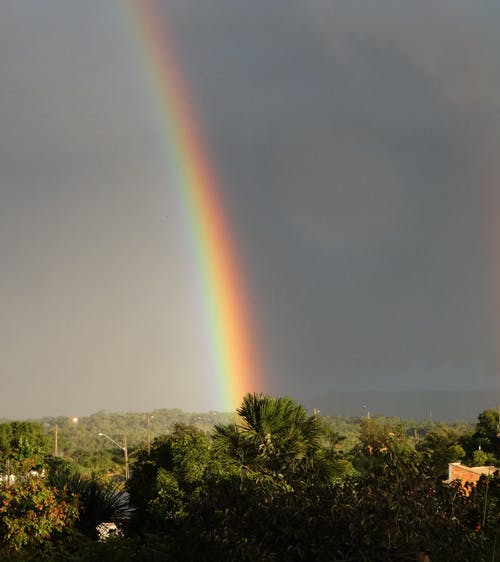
[(56, 437), (122, 447)]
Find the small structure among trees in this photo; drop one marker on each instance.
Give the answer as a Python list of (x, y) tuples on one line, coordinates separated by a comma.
[(468, 475)]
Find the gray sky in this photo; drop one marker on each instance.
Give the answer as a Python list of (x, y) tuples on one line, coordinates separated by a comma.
[(357, 144)]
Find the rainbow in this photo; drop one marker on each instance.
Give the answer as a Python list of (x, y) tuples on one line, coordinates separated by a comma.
[(224, 294)]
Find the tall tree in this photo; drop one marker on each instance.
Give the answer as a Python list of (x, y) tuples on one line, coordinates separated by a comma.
[(23, 445), (487, 434), (168, 477), (276, 437)]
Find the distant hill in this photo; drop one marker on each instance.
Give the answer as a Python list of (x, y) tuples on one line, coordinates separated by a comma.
[(440, 405)]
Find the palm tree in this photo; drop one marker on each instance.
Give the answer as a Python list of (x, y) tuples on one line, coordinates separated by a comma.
[(276, 437)]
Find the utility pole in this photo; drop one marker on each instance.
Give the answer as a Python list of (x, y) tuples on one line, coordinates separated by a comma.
[(148, 433), (123, 447), (125, 454), (498, 426), (56, 437)]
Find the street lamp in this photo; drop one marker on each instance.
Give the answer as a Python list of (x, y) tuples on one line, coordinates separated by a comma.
[(122, 447)]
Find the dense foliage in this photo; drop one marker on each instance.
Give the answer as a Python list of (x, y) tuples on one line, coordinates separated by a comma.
[(31, 514), (270, 483)]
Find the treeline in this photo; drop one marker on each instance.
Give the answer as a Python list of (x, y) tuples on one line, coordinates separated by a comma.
[(79, 439), (273, 482)]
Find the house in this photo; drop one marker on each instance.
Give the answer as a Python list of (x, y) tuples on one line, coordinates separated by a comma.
[(468, 474)]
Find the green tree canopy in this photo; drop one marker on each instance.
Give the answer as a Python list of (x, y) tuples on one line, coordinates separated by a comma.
[(442, 445), (31, 514), (486, 436), (170, 475), (276, 437), (21, 440)]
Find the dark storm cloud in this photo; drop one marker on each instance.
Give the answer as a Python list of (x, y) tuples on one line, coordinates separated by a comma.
[(340, 126)]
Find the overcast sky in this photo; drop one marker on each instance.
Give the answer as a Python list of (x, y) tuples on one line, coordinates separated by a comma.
[(357, 143)]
